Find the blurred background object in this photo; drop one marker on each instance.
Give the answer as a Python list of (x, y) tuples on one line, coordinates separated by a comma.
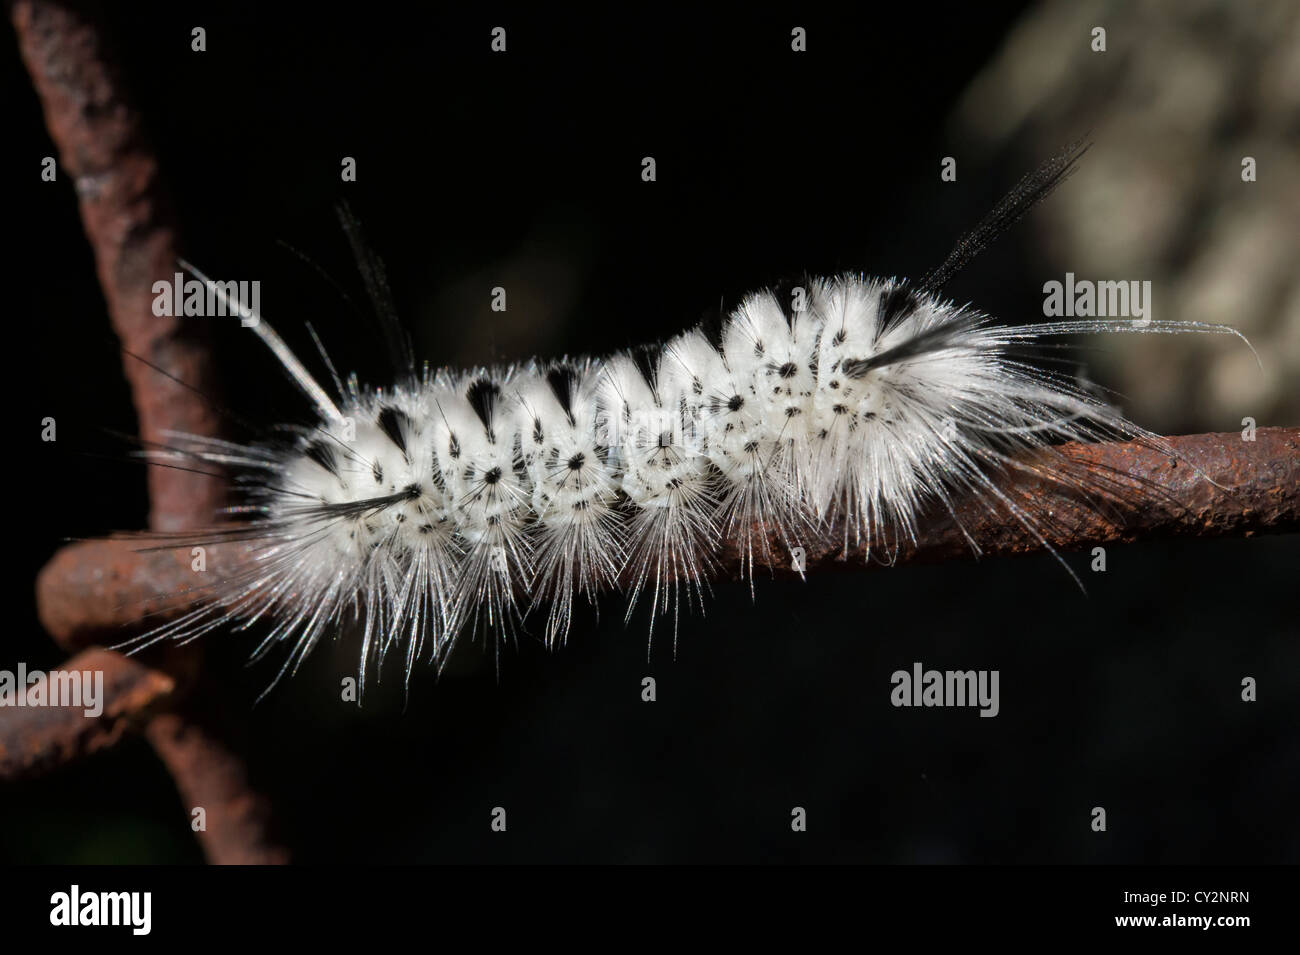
[(1184, 91)]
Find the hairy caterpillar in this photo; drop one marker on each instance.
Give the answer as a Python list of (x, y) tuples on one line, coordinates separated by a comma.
[(462, 501)]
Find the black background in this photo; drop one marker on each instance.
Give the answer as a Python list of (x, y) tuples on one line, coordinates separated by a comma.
[(768, 163)]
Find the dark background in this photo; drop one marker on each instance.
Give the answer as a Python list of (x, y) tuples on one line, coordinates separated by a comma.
[(523, 170)]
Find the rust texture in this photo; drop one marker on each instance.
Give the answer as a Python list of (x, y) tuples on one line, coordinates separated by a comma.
[(100, 591), (130, 223), (33, 739), (210, 772), (94, 591), (1213, 485)]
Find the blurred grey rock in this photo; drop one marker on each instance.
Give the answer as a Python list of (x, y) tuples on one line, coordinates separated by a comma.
[(1182, 93)]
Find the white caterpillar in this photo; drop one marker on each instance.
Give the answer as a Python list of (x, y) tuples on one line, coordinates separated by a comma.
[(453, 502)]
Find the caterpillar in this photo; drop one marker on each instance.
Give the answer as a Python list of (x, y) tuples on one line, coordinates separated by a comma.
[(466, 501)]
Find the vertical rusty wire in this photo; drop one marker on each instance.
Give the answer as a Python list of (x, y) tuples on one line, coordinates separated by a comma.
[(130, 223)]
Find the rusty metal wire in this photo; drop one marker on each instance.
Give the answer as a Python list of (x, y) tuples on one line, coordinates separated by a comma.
[(91, 592), (1217, 485), (127, 214)]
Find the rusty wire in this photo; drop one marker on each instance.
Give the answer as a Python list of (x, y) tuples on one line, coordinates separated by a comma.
[(129, 221), (1210, 485)]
